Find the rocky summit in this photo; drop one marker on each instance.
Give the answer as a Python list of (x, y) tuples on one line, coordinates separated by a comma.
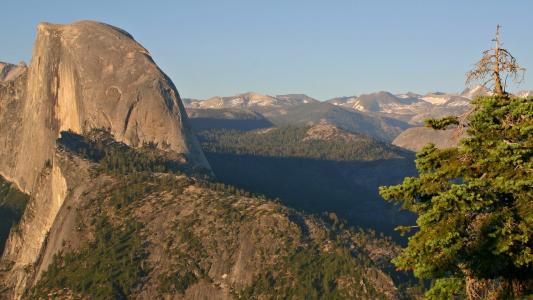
[(91, 75), (416, 138)]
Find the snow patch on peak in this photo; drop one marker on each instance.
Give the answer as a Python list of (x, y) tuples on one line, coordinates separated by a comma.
[(357, 106), (436, 99)]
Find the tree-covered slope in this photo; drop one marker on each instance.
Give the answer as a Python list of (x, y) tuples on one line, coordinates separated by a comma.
[(140, 227), (320, 141)]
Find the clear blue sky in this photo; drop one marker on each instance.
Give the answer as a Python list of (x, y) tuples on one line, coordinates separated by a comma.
[(321, 48)]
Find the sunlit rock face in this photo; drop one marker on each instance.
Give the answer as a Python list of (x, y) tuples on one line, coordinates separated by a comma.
[(89, 75)]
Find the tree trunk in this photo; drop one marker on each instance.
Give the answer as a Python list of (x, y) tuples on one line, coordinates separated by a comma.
[(498, 89), (494, 289), (472, 289)]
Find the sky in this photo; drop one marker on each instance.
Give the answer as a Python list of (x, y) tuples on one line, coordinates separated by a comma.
[(323, 49)]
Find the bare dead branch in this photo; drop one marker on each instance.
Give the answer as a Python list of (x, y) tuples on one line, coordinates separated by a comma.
[(493, 64)]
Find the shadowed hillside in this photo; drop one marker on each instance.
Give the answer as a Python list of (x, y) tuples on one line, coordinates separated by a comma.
[(316, 169), (12, 205)]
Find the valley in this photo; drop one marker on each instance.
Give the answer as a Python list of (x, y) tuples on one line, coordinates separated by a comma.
[(112, 180), (114, 186), (317, 169)]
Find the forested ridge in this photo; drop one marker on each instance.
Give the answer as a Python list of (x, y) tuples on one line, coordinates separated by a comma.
[(293, 141), (116, 250)]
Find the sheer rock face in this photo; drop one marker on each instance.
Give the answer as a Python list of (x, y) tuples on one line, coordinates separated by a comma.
[(92, 75), (83, 75)]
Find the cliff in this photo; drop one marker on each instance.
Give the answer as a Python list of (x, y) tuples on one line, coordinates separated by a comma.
[(92, 75)]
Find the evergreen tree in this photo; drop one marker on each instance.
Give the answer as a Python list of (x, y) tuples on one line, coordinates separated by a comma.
[(474, 203)]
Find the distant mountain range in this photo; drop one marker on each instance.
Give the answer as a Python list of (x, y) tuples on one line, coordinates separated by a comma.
[(251, 100), (227, 118), (381, 115), (409, 107), (290, 109)]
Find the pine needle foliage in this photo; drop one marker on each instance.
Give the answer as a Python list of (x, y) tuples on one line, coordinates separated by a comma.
[(474, 203)]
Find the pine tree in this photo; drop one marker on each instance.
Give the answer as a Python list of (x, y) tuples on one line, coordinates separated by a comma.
[(474, 202), (475, 206)]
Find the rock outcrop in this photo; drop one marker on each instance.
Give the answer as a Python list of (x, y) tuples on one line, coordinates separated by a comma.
[(92, 75), (417, 137), (82, 76)]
